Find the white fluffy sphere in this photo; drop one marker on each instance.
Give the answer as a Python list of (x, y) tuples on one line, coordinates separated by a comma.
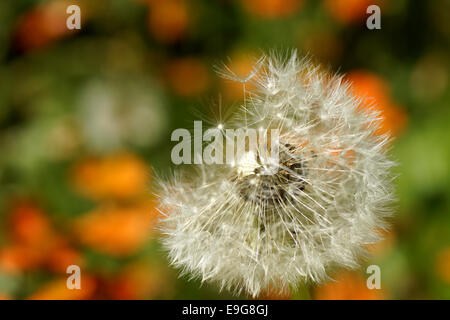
[(247, 231)]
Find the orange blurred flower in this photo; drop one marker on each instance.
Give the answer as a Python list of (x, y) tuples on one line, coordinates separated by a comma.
[(168, 20), (28, 223), (116, 230), (61, 257), (348, 285), (187, 76), (442, 264), (141, 280), (35, 243), (271, 9), (121, 175), (349, 11), (31, 234), (17, 258), (57, 290), (43, 24), (376, 92)]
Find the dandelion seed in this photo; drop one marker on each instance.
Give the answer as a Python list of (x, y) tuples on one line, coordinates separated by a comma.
[(265, 228)]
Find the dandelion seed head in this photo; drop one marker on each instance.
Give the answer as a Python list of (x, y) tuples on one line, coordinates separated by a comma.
[(258, 223)]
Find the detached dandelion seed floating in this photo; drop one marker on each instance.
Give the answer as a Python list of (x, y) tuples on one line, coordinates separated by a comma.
[(249, 229)]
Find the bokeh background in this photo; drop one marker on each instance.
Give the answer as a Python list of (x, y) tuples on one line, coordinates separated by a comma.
[(86, 117)]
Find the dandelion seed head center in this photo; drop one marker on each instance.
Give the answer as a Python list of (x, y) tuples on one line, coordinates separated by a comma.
[(266, 187)]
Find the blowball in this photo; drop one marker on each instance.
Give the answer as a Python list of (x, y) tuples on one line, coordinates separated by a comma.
[(273, 222)]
